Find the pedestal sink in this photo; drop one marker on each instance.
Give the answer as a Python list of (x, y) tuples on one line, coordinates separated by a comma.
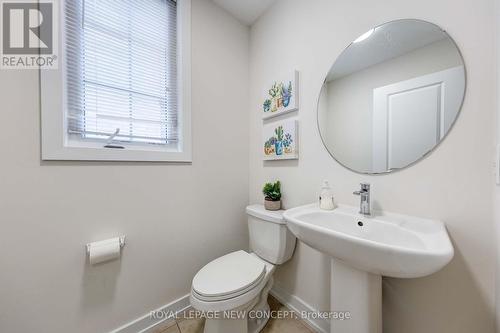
[(362, 250)]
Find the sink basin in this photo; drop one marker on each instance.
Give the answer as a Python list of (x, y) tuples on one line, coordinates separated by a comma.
[(362, 249), (386, 244)]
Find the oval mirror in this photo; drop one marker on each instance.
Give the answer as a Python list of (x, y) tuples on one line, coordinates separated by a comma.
[(391, 97)]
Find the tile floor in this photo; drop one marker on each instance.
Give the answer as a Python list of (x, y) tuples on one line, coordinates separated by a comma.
[(287, 325)]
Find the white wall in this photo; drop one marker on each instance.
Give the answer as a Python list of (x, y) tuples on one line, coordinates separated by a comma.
[(174, 216), (350, 99), (452, 184)]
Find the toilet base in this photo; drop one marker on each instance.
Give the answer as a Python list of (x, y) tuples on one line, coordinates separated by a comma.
[(256, 325), (261, 312), (226, 325), (254, 316)]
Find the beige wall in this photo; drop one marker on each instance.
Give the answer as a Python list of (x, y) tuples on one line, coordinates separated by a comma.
[(174, 216), (452, 184)]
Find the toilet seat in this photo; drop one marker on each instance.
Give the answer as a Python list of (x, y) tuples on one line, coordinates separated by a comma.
[(229, 276), (238, 295)]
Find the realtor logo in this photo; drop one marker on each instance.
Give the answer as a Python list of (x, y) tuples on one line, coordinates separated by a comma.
[(28, 35)]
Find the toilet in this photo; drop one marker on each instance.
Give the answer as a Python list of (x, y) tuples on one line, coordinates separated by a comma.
[(232, 290)]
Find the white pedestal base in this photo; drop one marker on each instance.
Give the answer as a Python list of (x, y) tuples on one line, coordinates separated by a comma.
[(360, 294)]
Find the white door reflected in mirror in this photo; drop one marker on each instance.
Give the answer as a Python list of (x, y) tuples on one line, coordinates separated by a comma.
[(391, 97)]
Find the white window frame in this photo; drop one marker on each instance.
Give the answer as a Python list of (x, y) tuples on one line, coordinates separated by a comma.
[(56, 143)]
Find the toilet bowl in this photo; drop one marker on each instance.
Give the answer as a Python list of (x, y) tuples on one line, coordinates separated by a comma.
[(232, 290)]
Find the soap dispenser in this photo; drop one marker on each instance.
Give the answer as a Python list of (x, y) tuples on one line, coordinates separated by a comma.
[(326, 201)]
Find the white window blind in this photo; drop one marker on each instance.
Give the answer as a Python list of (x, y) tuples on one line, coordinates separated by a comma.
[(121, 70)]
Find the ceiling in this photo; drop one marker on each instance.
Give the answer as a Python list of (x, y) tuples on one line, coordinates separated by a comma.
[(388, 41), (246, 11)]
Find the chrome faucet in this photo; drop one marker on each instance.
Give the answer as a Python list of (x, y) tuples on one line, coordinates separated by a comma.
[(364, 193)]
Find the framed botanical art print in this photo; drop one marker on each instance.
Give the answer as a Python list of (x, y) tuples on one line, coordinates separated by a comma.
[(280, 141), (282, 96)]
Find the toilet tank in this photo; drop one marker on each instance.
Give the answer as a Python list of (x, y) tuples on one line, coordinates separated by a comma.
[(270, 239)]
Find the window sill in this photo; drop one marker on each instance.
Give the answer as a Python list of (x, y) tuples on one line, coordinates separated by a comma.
[(130, 154)]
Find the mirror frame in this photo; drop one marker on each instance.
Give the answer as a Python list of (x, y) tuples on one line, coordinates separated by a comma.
[(435, 146)]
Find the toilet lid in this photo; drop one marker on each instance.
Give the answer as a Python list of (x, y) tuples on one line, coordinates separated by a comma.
[(231, 274)]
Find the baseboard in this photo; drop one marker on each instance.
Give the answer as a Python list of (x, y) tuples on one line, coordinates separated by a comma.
[(296, 304), (148, 323)]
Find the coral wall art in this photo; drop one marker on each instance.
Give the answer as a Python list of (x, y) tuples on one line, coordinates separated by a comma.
[(280, 140), (282, 96)]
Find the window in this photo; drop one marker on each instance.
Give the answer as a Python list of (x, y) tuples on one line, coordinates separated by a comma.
[(122, 73), (124, 82)]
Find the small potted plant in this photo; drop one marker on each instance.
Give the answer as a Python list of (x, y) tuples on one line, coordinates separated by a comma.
[(272, 194)]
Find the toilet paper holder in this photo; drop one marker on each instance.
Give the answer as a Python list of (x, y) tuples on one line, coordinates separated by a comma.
[(122, 244)]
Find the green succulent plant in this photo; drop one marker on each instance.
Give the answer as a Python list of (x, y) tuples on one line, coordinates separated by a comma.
[(272, 191)]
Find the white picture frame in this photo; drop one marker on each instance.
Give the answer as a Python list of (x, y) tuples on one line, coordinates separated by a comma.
[(281, 96), (280, 146)]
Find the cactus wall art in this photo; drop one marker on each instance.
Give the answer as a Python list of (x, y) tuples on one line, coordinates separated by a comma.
[(280, 140), (282, 96)]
